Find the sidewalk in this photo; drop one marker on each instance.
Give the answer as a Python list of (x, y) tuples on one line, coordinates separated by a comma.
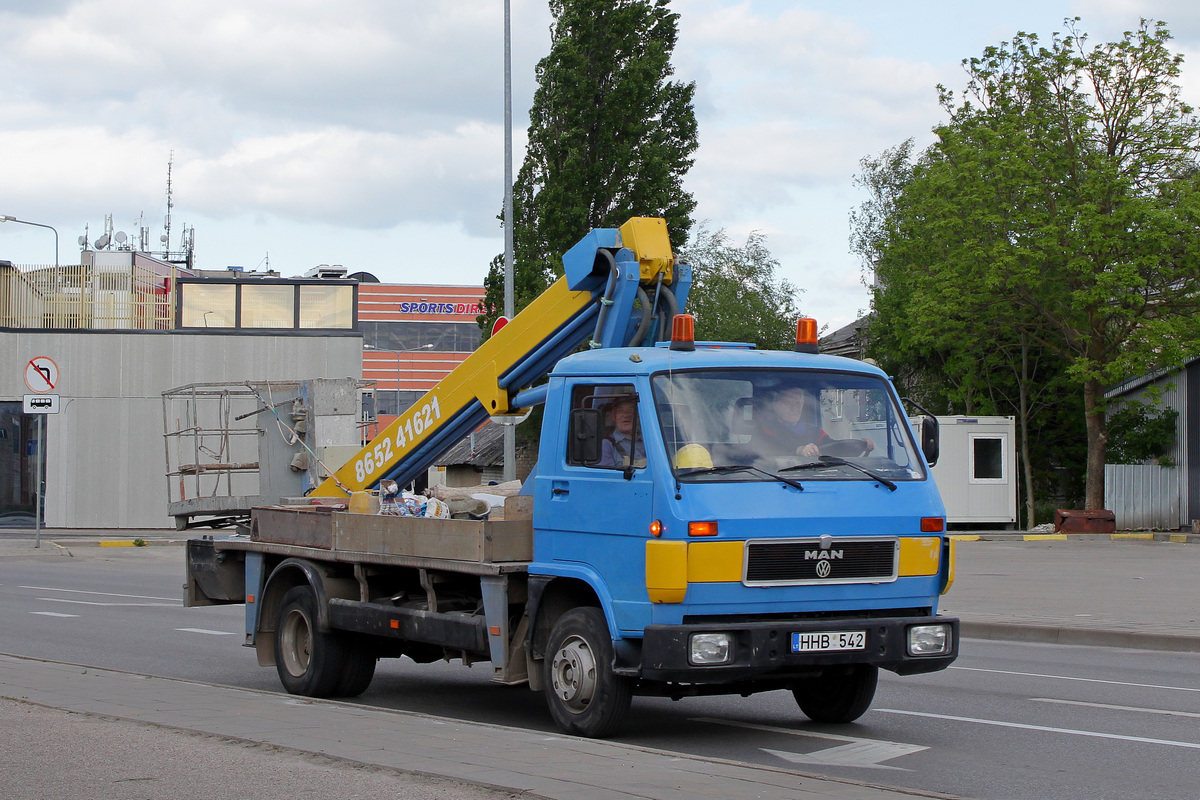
[(1080, 590)]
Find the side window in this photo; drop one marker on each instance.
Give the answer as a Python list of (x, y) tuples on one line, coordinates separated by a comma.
[(604, 429), (988, 459)]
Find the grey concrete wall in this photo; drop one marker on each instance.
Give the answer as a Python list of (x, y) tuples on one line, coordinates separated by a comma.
[(105, 458)]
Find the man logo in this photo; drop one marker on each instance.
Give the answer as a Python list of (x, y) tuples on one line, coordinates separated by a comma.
[(823, 569)]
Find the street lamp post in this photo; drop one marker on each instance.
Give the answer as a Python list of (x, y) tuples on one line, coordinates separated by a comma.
[(510, 432), (6, 218)]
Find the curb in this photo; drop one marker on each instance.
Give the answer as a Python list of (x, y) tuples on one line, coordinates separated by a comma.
[(95, 542), (1095, 637)]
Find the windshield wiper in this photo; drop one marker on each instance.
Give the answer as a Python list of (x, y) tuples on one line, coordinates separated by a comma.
[(834, 461), (725, 468)]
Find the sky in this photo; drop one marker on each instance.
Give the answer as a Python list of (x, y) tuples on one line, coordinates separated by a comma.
[(369, 133)]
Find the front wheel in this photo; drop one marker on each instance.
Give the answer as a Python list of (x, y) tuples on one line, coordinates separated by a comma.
[(309, 662), (842, 694), (585, 697)]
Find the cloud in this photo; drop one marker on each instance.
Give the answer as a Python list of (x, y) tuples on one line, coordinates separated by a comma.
[(356, 179), (365, 113), (791, 101), (1181, 16), (275, 63)]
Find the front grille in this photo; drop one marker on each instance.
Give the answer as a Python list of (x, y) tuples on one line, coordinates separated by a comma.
[(794, 561)]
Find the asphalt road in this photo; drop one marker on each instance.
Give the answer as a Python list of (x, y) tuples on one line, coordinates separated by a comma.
[(1008, 721)]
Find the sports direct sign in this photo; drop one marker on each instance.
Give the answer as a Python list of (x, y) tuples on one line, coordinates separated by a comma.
[(424, 307)]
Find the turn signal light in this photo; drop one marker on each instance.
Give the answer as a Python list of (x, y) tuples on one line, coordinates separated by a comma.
[(932, 524), (806, 335), (656, 528), (683, 332), (702, 529)]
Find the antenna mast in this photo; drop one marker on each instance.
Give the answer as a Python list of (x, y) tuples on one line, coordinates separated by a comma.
[(166, 237)]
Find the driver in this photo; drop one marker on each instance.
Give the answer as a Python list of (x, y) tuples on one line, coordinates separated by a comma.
[(786, 424), (623, 447)]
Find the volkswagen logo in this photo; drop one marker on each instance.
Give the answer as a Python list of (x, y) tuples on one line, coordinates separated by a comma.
[(823, 569)]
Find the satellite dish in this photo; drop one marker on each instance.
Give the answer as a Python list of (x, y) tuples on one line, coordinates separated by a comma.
[(121, 237), (102, 242), (83, 241), (163, 238)]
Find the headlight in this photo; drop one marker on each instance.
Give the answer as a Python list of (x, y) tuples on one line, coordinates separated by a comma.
[(929, 640), (710, 648)]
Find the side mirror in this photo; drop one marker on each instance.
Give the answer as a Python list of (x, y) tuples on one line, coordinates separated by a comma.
[(930, 439), (583, 436)]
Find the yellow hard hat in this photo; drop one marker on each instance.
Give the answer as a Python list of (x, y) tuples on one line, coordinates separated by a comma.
[(692, 455)]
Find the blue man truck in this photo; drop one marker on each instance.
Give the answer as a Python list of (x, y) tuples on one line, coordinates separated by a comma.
[(765, 521)]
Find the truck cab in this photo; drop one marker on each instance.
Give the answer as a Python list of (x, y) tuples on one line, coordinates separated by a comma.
[(777, 528)]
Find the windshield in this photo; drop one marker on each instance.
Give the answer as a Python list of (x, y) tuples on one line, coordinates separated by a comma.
[(775, 424)]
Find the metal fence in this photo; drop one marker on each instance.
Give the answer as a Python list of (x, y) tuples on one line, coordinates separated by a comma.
[(1143, 496), (85, 296)]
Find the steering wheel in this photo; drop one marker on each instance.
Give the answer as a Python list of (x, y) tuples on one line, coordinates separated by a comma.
[(846, 448)]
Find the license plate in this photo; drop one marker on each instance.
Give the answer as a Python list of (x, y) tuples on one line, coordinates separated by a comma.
[(828, 641)]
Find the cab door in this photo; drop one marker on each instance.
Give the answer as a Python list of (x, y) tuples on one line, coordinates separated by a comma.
[(593, 514)]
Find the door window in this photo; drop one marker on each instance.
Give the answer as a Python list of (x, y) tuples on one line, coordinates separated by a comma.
[(612, 411)]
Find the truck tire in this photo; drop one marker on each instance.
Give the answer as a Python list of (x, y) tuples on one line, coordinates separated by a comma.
[(585, 697), (309, 662), (838, 696), (358, 668)]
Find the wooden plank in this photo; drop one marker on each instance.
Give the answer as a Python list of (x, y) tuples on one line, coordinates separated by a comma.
[(449, 539)]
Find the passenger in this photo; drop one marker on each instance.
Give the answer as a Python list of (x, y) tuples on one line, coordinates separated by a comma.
[(786, 424), (625, 442)]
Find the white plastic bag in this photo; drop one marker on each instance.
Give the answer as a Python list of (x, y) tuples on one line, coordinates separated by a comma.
[(437, 509)]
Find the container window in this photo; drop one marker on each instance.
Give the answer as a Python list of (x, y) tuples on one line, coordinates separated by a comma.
[(987, 460)]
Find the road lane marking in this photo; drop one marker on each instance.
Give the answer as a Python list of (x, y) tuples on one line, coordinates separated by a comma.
[(110, 605), (1081, 680), (52, 614), (1045, 728), (205, 630), (104, 594), (1111, 707), (864, 754), (855, 752), (775, 729)]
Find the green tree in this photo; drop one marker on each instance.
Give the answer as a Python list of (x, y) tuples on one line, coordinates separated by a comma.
[(1059, 204), (610, 137), (736, 295)]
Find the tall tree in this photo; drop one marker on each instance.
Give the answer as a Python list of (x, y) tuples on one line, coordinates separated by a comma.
[(736, 295), (610, 137), (1060, 202)]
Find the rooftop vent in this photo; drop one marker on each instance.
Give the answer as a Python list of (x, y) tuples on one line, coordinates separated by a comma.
[(326, 271)]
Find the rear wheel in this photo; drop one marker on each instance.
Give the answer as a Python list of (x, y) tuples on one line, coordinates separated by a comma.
[(842, 694), (584, 695), (309, 662)]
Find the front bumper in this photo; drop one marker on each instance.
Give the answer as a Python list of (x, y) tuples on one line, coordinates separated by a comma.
[(762, 650)]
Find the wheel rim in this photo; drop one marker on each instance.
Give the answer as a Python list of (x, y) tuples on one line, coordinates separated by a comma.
[(295, 640), (573, 674)]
